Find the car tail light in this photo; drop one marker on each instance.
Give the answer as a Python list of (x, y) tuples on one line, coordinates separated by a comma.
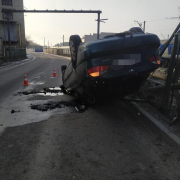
[(155, 59), (98, 70)]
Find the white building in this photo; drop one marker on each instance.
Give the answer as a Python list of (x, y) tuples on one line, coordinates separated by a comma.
[(93, 37)]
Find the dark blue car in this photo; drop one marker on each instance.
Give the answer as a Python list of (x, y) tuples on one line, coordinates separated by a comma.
[(116, 65)]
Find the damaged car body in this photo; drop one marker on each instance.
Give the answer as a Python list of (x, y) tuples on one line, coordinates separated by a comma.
[(116, 65)]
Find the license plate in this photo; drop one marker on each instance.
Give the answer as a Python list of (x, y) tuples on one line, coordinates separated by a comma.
[(127, 60)]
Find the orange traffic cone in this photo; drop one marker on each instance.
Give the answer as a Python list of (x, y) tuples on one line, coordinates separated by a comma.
[(54, 73), (25, 80)]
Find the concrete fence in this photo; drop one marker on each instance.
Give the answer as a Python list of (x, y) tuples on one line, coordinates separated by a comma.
[(62, 51)]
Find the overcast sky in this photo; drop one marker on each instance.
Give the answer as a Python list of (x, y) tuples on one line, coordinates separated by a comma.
[(120, 13)]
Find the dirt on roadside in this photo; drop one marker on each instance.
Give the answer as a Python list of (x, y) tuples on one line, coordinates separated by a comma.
[(153, 103)]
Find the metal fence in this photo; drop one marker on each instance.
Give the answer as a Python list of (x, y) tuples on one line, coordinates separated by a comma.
[(16, 54), (1, 48)]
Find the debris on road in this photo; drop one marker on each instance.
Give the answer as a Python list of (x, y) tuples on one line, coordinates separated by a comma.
[(28, 92), (13, 111), (173, 121), (46, 91), (1, 124), (53, 105), (80, 107)]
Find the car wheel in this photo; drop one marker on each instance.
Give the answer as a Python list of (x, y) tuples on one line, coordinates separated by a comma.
[(74, 43)]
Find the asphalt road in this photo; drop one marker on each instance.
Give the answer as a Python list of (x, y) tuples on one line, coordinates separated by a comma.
[(110, 140), (12, 77)]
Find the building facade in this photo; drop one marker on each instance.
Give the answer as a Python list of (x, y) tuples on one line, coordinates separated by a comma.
[(93, 37), (1, 48), (16, 24)]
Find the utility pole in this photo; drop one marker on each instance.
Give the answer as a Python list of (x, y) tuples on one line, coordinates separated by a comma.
[(9, 35), (140, 25), (48, 43), (98, 26), (63, 40), (44, 42), (144, 25), (9, 38)]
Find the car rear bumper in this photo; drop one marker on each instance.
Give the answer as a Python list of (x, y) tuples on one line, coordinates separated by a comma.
[(118, 86)]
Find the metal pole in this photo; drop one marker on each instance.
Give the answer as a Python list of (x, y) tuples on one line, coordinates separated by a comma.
[(98, 25), (44, 42), (49, 11), (170, 39), (63, 40), (9, 38), (144, 25), (5, 32), (20, 39), (170, 75)]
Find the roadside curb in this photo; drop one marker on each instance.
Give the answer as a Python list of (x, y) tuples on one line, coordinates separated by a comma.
[(155, 122), (20, 62)]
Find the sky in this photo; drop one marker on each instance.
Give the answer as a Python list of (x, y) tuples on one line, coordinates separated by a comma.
[(121, 15)]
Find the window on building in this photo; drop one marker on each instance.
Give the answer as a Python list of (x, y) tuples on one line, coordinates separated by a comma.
[(7, 2), (10, 15)]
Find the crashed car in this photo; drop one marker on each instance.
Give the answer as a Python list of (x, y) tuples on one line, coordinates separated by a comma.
[(117, 64)]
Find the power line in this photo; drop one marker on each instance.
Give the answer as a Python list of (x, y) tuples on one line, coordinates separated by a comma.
[(172, 18), (161, 30), (157, 20), (146, 21)]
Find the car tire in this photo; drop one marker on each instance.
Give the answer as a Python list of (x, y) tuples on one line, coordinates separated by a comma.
[(74, 43)]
